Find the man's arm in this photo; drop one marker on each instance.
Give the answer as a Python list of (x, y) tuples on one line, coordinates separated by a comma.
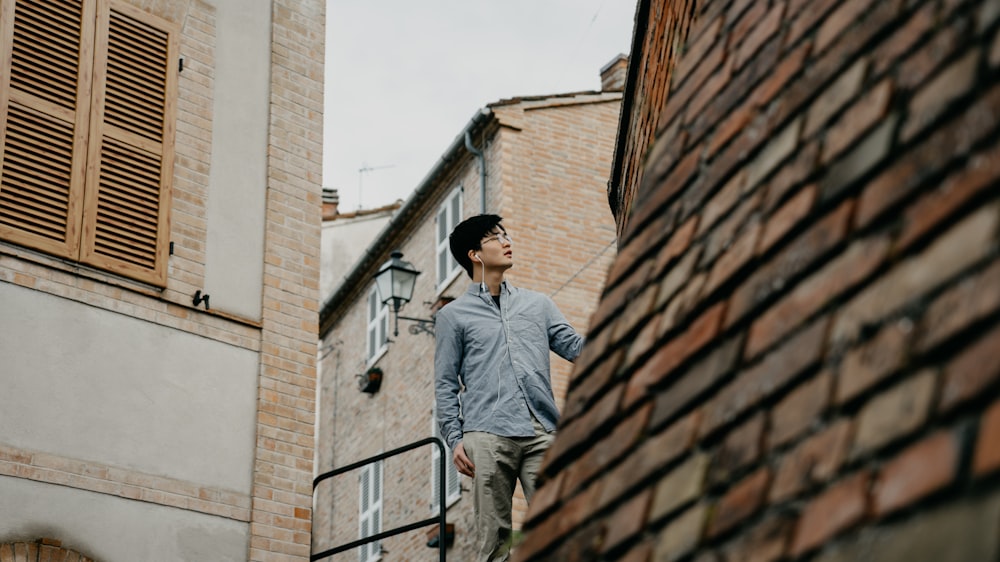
[(563, 339), (447, 363)]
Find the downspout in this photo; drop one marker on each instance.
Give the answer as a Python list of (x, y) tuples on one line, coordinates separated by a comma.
[(482, 171)]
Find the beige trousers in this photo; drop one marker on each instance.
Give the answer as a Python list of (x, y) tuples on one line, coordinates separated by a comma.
[(500, 462)]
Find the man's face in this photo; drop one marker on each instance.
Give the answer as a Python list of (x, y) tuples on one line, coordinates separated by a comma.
[(496, 249)]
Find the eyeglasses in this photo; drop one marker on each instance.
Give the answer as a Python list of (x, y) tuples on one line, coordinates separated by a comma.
[(499, 237)]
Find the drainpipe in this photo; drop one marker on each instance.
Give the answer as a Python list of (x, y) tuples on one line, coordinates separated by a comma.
[(482, 171)]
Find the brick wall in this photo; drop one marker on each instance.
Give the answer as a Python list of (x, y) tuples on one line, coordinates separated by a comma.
[(795, 356), (281, 513)]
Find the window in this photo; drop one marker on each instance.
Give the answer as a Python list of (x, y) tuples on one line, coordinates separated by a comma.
[(378, 326), (87, 96), (448, 217), (454, 485), (370, 511)]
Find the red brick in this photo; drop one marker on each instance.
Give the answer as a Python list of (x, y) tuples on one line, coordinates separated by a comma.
[(681, 306), (798, 255), (628, 520), (760, 34), (606, 451), (968, 302), (792, 174), (780, 146), (972, 371), (656, 452), (678, 277), (734, 123), (724, 233), (863, 156), (735, 258), (701, 376), (835, 96), (843, 505), (794, 415), (921, 64), (934, 98), (812, 294), (722, 202), (922, 217), (555, 527), (740, 502), (745, 23), (679, 242), (920, 470), (909, 172), (697, 51), (987, 454), (766, 542), (814, 461), (904, 39), (787, 217), (640, 553), (953, 251), (678, 100), (740, 449), (546, 498), (708, 92), (767, 377), (577, 433), (594, 383), (868, 364), (856, 121), (682, 535), (776, 80), (894, 414), (682, 485), (812, 11), (849, 12), (664, 362)]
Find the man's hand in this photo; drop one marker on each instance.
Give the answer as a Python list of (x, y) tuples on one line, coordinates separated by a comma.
[(462, 462)]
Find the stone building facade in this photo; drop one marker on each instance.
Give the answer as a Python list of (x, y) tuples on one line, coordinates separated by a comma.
[(796, 352), (546, 166), (159, 271)]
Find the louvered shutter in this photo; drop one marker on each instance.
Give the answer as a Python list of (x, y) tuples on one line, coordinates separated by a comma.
[(453, 484), (126, 218), (45, 90), (87, 90)]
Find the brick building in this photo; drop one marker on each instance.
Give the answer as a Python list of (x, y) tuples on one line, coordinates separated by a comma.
[(547, 160), (795, 356), (159, 268)]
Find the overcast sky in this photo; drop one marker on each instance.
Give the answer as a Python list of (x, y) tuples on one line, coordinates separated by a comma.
[(404, 77)]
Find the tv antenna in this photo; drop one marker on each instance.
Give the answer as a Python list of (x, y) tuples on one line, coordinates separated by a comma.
[(364, 169)]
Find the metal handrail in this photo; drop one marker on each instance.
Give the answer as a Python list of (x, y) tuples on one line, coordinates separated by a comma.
[(441, 518)]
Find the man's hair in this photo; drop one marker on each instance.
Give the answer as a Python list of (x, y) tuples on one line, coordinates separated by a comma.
[(468, 235)]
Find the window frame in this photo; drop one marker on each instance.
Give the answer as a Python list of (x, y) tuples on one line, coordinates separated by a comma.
[(372, 497), (454, 201), (379, 320)]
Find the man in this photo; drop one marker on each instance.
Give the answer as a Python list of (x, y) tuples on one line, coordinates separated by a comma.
[(493, 345)]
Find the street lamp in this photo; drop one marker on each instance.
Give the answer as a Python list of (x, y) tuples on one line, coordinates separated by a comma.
[(394, 282)]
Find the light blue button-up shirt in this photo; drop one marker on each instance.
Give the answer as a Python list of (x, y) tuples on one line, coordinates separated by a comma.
[(501, 357)]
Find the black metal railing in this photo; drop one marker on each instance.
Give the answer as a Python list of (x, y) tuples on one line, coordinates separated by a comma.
[(440, 518)]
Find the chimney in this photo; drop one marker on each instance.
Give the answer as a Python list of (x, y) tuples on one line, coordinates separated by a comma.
[(613, 74), (331, 199)]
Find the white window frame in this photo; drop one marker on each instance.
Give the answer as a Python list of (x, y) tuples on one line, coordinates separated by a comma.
[(449, 214), (370, 513), (377, 339), (453, 480)]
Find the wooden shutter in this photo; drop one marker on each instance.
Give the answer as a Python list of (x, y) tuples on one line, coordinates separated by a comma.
[(126, 210), (45, 90)]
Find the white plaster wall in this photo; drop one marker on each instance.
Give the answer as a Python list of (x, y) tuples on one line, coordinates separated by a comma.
[(87, 383), (111, 529), (344, 241), (238, 179)]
